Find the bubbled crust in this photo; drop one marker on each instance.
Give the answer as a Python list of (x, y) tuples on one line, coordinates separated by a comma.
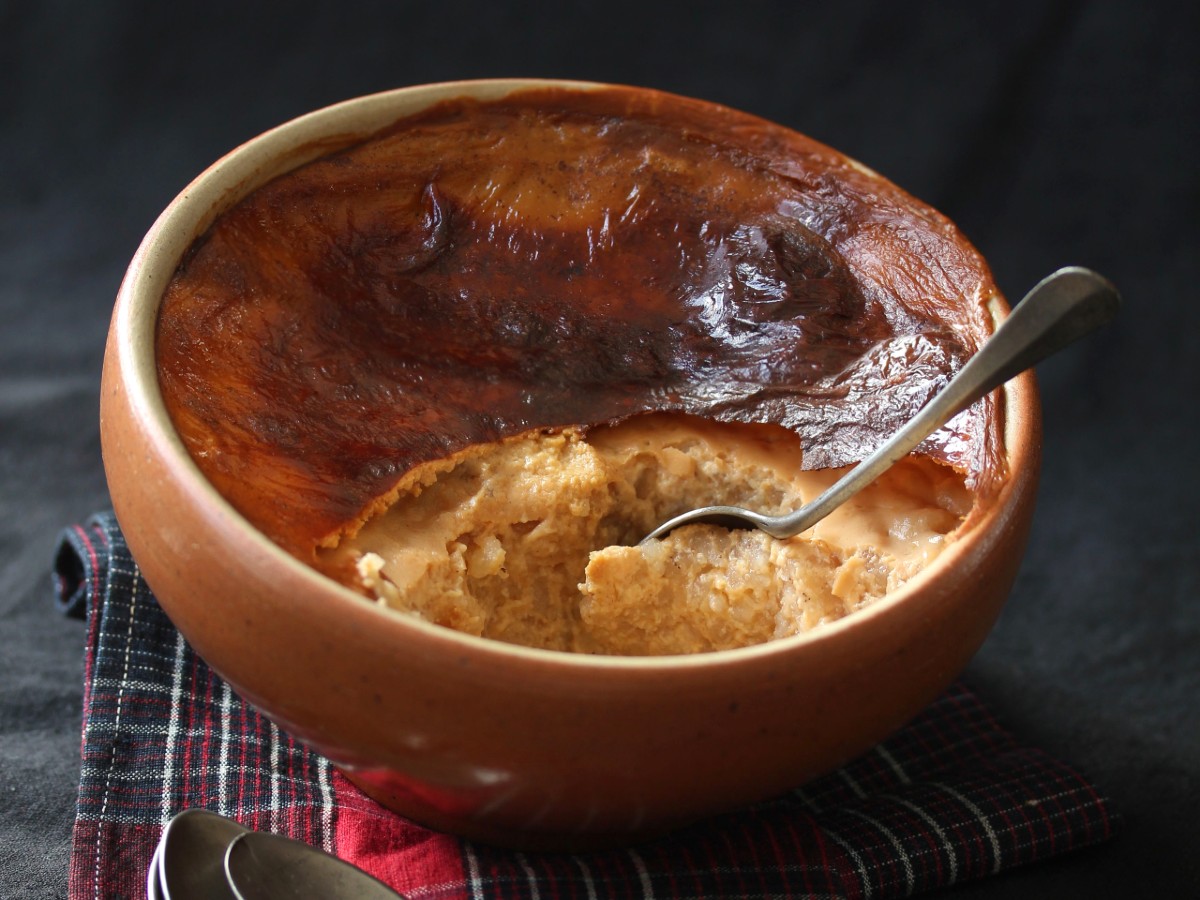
[(551, 259)]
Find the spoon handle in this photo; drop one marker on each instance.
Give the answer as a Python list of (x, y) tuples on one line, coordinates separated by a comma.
[(1060, 309)]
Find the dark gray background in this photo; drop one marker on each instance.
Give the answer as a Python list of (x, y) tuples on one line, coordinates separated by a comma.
[(1052, 132)]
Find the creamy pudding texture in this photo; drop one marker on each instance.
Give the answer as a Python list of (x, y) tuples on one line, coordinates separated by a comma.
[(502, 542), (489, 289)]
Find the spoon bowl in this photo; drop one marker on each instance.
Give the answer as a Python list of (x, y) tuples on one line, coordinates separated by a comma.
[(190, 856), (261, 866)]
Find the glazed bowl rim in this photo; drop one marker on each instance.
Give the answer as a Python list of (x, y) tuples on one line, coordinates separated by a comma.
[(313, 134)]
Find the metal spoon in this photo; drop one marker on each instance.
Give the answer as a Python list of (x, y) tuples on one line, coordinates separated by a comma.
[(1060, 309), (190, 856), (261, 866)]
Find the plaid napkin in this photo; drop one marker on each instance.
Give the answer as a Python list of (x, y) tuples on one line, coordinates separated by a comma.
[(951, 797)]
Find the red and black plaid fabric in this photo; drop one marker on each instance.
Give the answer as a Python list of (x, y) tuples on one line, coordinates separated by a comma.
[(951, 797)]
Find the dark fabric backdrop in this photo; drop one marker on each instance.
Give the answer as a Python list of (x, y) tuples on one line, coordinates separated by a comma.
[(1052, 132)]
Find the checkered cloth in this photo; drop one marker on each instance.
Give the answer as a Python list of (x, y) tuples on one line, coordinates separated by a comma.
[(951, 797)]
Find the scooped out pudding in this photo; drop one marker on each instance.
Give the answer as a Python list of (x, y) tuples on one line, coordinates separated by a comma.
[(502, 543), (462, 364)]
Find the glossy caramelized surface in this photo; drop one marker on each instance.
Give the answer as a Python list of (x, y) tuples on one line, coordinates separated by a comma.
[(558, 258)]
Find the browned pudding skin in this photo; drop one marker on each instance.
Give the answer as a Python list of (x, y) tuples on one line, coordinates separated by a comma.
[(558, 258)]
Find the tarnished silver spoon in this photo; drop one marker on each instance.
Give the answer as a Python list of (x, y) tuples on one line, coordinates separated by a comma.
[(205, 856), (1061, 308), (260, 866), (190, 856)]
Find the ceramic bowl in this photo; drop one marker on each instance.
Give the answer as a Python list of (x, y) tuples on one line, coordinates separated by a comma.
[(496, 742)]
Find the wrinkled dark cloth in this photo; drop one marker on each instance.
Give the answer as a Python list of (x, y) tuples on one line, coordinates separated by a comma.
[(951, 797)]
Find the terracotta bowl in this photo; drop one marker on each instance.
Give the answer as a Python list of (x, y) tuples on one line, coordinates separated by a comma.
[(500, 743)]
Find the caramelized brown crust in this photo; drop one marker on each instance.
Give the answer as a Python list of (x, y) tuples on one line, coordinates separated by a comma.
[(558, 258)]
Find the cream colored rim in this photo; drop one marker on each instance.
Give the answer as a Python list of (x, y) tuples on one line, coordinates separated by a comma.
[(302, 140)]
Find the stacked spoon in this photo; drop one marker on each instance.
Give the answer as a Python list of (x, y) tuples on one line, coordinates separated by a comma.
[(205, 856)]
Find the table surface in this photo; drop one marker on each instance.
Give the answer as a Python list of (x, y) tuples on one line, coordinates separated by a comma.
[(1052, 133)]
